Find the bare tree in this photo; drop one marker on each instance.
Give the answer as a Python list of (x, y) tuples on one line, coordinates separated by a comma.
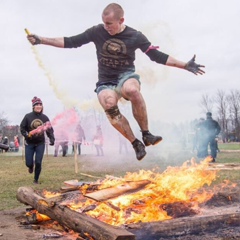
[(206, 103), (234, 111), (3, 124), (222, 109), (3, 121)]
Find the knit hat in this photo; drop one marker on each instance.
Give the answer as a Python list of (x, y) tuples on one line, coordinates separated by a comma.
[(36, 101)]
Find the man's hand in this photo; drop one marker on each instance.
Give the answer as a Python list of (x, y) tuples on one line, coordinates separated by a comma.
[(34, 39), (193, 67)]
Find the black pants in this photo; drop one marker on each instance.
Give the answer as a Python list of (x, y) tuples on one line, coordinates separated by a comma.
[(78, 146), (203, 147), (64, 146)]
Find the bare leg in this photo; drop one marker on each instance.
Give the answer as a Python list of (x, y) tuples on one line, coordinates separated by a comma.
[(131, 91), (109, 98)]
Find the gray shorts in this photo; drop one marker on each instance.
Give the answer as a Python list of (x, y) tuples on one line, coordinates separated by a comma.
[(122, 79)]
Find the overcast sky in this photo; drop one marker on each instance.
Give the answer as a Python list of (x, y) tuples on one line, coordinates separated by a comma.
[(67, 77)]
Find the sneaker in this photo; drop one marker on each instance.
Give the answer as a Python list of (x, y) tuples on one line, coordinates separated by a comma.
[(30, 170), (149, 139), (139, 149), (35, 181)]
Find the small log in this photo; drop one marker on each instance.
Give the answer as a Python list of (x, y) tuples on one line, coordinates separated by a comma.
[(65, 189), (224, 166), (88, 175), (78, 222), (112, 192)]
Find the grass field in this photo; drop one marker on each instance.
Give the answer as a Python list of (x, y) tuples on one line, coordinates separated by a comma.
[(14, 174), (229, 146)]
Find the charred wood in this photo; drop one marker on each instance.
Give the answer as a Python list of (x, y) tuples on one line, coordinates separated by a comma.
[(78, 222)]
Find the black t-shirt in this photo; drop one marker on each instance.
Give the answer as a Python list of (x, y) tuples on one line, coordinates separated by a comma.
[(115, 54)]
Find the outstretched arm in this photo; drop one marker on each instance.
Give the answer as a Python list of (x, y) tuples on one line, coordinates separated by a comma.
[(190, 65), (56, 42)]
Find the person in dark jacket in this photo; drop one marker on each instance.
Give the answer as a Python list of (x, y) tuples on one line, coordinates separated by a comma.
[(33, 127), (98, 141), (210, 129), (4, 145), (116, 44)]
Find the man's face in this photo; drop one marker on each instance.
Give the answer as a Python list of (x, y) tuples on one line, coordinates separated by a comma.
[(112, 25)]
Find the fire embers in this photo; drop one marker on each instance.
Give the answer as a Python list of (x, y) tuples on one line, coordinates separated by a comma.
[(143, 196), (179, 209), (33, 216), (33, 220), (176, 192)]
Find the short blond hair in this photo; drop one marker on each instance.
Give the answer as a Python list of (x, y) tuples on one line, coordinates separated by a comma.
[(114, 8)]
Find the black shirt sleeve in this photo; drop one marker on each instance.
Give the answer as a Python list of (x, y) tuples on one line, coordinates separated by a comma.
[(23, 126), (153, 54), (157, 56), (80, 39)]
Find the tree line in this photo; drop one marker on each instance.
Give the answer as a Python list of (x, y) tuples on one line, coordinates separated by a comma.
[(225, 106)]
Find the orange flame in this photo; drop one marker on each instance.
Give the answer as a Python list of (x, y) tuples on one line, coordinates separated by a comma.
[(176, 184)]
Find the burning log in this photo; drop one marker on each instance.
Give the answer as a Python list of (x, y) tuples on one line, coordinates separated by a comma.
[(112, 192), (76, 221), (186, 225)]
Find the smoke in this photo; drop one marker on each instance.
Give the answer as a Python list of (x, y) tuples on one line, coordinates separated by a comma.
[(65, 124), (67, 101), (159, 34)]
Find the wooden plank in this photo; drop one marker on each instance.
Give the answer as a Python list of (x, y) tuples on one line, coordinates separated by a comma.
[(112, 192), (224, 166)]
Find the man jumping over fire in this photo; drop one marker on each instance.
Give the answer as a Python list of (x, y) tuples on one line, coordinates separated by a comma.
[(116, 44)]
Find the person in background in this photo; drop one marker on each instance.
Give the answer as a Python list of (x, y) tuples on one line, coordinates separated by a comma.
[(98, 141), (5, 140), (122, 144), (61, 139), (80, 138), (209, 131), (116, 44), (35, 143), (200, 138), (4, 145), (16, 143)]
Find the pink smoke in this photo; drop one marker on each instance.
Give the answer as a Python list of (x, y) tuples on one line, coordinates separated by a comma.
[(65, 124)]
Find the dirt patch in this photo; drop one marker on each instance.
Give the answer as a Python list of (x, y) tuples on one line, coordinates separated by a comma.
[(12, 229)]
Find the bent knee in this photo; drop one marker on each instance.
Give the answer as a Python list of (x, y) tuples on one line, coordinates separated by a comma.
[(131, 92), (107, 99), (113, 114)]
